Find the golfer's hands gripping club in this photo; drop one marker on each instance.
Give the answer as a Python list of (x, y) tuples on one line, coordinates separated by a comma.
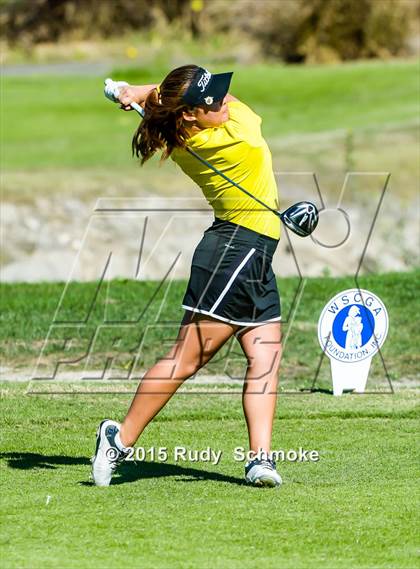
[(123, 93)]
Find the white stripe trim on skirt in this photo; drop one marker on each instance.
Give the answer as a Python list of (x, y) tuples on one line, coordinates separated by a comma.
[(231, 280), (276, 319)]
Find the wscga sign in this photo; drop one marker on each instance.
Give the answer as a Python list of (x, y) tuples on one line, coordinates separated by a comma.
[(351, 329)]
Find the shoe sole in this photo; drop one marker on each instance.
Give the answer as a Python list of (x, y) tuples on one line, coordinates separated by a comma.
[(264, 482)]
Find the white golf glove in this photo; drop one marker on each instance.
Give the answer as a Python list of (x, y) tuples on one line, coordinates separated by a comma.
[(111, 89)]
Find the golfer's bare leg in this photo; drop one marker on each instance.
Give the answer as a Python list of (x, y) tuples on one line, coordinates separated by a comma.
[(199, 338), (262, 347)]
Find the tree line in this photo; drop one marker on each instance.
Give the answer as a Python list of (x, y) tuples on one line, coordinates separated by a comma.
[(289, 30)]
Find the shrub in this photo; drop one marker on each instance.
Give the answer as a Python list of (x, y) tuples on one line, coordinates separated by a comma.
[(328, 30)]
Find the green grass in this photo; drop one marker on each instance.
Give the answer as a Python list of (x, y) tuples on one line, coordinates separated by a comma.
[(27, 312), (355, 508), (65, 122)]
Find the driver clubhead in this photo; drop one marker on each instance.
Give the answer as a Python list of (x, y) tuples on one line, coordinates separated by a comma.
[(301, 218)]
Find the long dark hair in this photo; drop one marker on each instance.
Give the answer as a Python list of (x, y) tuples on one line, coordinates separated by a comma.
[(162, 126)]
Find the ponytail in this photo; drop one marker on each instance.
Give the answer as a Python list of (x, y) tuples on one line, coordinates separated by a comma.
[(163, 126)]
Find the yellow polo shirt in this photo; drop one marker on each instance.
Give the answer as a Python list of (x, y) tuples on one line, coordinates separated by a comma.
[(237, 149)]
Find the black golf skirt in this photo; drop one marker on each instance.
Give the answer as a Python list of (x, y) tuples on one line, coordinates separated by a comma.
[(231, 276)]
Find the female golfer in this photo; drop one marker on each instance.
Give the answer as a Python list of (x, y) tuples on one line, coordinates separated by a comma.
[(232, 288)]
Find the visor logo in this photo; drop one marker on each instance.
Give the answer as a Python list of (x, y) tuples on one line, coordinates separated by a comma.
[(208, 100), (204, 80)]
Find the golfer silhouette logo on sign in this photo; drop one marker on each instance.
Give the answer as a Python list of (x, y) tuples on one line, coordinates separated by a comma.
[(353, 326)]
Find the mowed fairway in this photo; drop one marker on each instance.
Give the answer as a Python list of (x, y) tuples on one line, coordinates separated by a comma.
[(65, 122), (354, 508)]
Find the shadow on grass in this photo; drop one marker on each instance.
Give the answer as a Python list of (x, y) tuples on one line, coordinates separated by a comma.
[(29, 460), (317, 390), (127, 472), (131, 471)]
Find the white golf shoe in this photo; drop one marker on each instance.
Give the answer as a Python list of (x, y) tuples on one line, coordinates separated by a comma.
[(262, 472), (107, 455)]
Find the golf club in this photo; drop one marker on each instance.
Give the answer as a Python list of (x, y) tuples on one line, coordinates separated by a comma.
[(301, 218)]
